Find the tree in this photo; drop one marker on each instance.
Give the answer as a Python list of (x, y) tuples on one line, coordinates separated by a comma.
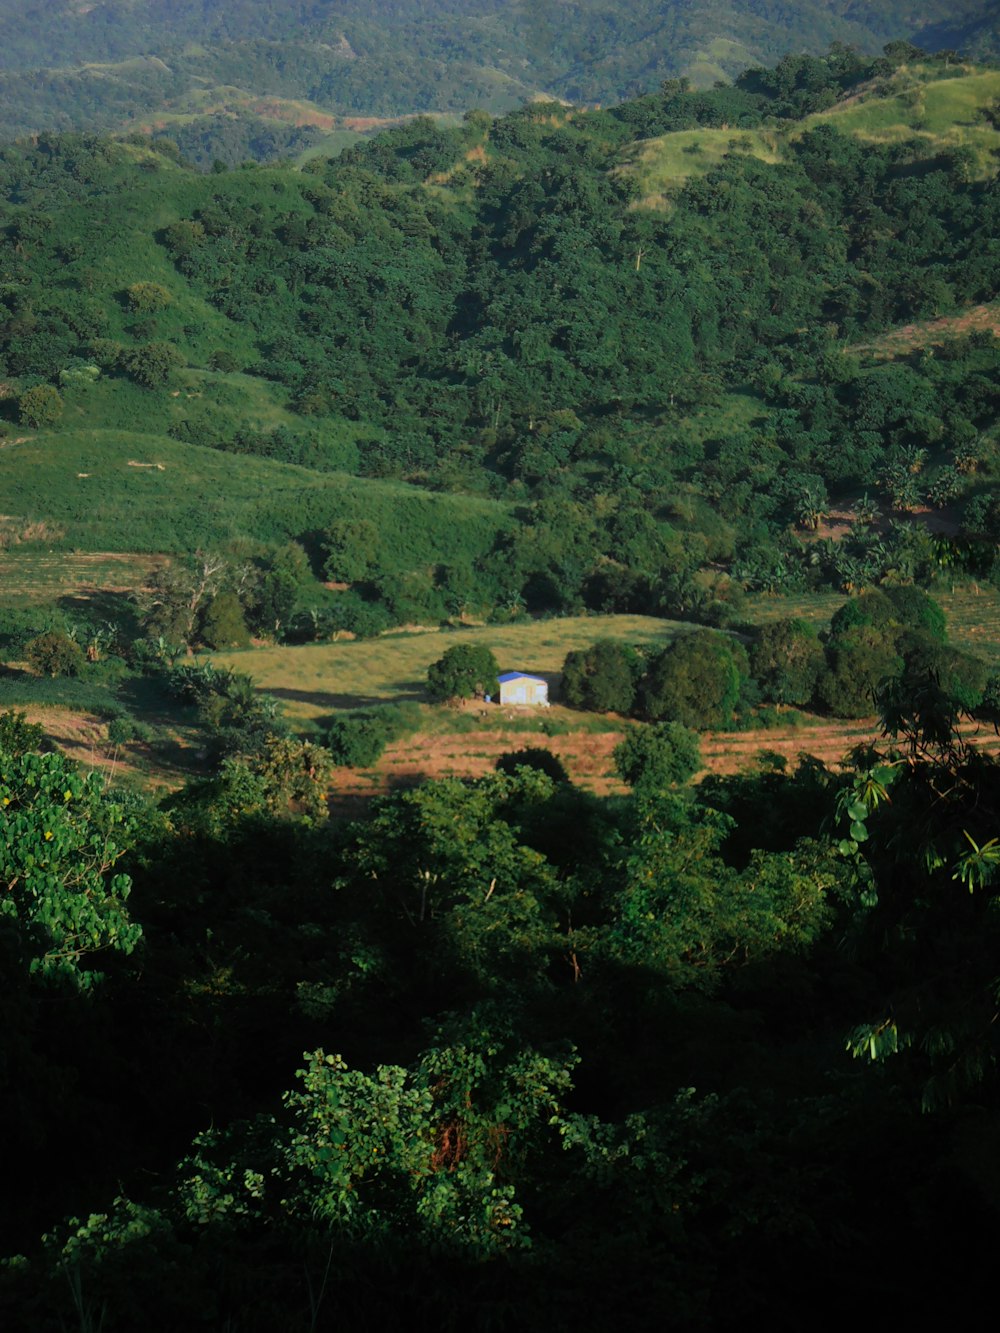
[(786, 659), (39, 406), (148, 296), (536, 757), (351, 547), (54, 654), (223, 624), (697, 680), (152, 364), (60, 837), (657, 756), (602, 678), (466, 671)]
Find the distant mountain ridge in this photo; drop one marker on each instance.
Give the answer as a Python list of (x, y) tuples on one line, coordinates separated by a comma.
[(71, 64)]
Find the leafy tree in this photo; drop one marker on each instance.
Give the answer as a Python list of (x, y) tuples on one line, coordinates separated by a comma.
[(54, 653), (602, 678), (697, 680), (295, 775), (148, 296), (39, 406), (60, 837), (466, 671), (859, 660), (917, 610), (786, 659), (222, 623), (151, 364), (657, 756), (351, 547)]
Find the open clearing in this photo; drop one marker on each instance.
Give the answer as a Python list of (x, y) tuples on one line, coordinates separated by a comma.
[(317, 679)]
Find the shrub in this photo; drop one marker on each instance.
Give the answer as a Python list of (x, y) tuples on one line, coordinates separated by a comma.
[(152, 364), (54, 654), (39, 406), (17, 735), (357, 740)]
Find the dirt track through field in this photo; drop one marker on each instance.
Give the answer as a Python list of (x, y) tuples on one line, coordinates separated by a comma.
[(587, 757)]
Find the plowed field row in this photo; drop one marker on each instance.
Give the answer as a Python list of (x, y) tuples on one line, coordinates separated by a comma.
[(588, 761), (42, 577)]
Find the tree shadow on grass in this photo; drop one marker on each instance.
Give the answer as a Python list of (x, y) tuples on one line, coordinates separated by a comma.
[(404, 691), (97, 605)]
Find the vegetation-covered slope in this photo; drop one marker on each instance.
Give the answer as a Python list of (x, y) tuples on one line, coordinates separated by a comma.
[(102, 66), (642, 346)]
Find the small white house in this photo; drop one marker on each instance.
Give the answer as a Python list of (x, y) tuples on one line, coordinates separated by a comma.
[(516, 687)]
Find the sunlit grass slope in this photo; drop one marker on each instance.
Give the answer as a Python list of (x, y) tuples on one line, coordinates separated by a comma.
[(109, 490), (941, 113)]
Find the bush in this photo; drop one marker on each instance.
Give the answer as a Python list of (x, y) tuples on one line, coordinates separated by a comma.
[(152, 364), (121, 730), (469, 670), (54, 654), (17, 735), (39, 407), (357, 740)]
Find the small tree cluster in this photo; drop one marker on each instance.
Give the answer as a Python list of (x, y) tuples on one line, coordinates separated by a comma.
[(467, 671)]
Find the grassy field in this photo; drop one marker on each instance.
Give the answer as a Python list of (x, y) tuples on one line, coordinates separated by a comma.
[(111, 490), (316, 680), (665, 163), (31, 575), (943, 113)]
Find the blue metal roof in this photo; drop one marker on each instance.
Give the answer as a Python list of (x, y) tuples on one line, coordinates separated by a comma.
[(518, 675)]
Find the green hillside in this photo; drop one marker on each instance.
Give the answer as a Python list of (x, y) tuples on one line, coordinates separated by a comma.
[(106, 66), (108, 490), (483, 312), (917, 104)]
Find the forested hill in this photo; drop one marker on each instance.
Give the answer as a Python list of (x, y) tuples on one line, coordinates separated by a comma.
[(650, 333), (688, 1057), (108, 65)]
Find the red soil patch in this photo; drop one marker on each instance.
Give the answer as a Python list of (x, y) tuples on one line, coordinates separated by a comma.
[(270, 109), (935, 332)]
